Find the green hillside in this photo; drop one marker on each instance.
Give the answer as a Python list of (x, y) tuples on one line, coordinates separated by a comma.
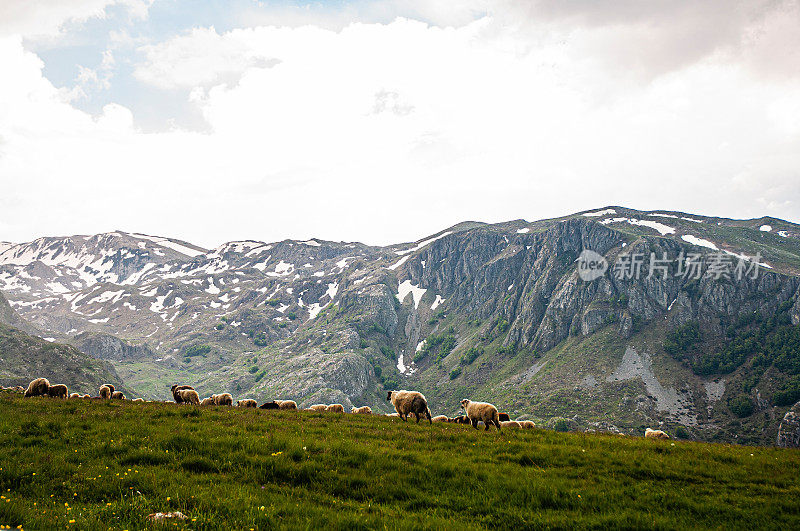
[(24, 357), (90, 465)]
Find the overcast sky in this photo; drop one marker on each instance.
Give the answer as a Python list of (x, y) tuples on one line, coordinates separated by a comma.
[(387, 121)]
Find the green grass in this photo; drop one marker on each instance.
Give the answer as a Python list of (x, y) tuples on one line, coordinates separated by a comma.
[(107, 465)]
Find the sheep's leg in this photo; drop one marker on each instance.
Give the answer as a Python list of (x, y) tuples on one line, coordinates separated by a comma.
[(417, 415), (474, 423), (497, 423), (486, 425), (402, 417)]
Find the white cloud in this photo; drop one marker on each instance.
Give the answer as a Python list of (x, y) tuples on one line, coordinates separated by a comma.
[(341, 133), (201, 58), (46, 17)]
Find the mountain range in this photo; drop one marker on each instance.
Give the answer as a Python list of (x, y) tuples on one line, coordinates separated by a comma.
[(688, 323)]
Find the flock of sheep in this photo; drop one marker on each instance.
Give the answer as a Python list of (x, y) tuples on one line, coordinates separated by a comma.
[(406, 403)]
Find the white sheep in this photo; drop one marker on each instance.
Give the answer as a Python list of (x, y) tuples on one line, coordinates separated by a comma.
[(481, 411), (440, 418), (247, 402), (58, 391), (223, 399), (286, 404), (37, 387), (106, 391), (510, 424), (317, 407), (655, 434), (188, 396), (207, 401), (408, 402), (527, 424), (176, 391), (364, 410), (335, 408)]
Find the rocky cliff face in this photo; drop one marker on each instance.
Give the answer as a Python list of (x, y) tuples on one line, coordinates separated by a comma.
[(499, 311), (108, 347), (789, 430)]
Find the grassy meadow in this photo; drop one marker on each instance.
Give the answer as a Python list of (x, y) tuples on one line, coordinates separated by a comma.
[(107, 465)]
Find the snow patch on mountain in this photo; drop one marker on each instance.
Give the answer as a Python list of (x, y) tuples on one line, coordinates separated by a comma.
[(281, 269), (398, 263), (423, 243), (178, 246), (314, 309), (107, 296), (333, 289), (211, 289), (660, 227), (694, 240), (600, 213), (240, 247), (407, 287)]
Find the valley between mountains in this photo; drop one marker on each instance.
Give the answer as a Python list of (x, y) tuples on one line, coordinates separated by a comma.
[(495, 312)]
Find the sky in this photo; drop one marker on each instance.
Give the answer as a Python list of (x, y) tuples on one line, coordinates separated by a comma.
[(390, 120)]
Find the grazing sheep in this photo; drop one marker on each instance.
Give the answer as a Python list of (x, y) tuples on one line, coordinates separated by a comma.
[(440, 418), (481, 411), (223, 399), (461, 419), (188, 396), (138, 400), (317, 407), (408, 402), (58, 391), (247, 402), (74, 395), (37, 387), (335, 408), (510, 424), (176, 389), (286, 404), (117, 395), (207, 401), (392, 414), (655, 434), (106, 391), (503, 417), (527, 424), (269, 405), (364, 410)]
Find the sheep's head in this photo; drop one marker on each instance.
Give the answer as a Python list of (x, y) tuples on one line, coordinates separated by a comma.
[(389, 395), (464, 403)]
